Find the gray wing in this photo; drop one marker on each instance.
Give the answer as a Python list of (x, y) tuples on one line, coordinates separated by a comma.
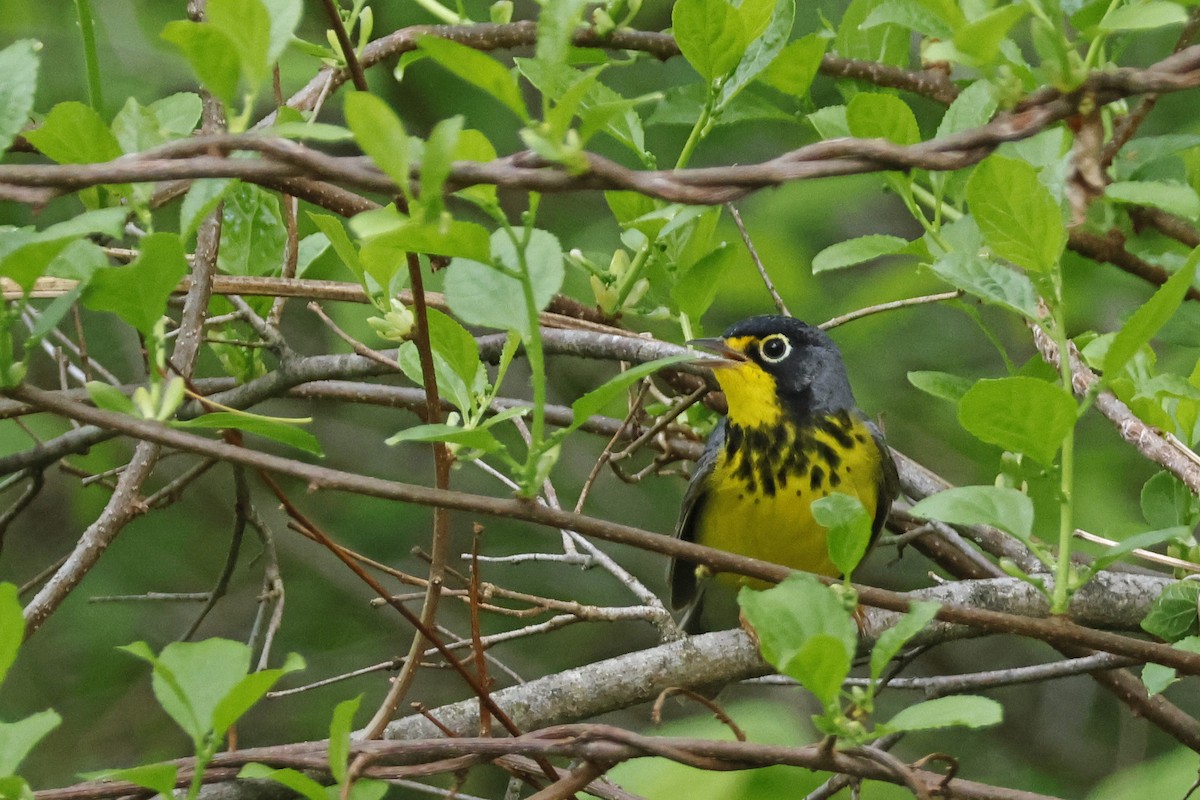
[(682, 575), (889, 489)]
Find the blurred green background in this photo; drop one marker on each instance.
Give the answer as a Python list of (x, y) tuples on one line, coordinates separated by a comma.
[(1067, 737)]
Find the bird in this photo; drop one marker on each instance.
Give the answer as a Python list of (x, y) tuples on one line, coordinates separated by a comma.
[(793, 434)]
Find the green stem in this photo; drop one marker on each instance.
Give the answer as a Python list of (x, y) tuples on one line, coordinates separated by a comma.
[(1094, 49), (1066, 500), (87, 29), (699, 131), (636, 265)]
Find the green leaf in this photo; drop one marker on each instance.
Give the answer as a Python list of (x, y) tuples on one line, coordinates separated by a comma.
[(911, 14), (941, 384), (1149, 318), (477, 438), (1143, 16), (973, 107), (791, 614), (1021, 414), (892, 641), (697, 288), (1142, 541), (73, 133), (710, 35), (857, 251), (1174, 198), (247, 26), (456, 361), (1166, 501), (253, 236), (313, 131), (969, 711), (340, 728), (333, 229), (381, 135), (32, 253), (1157, 678), (435, 165), (297, 781), (998, 506), (820, 665), (158, 778), (308, 250), (991, 282), (888, 44), (980, 39), (12, 627), (882, 116), (849, 529), (138, 292), (443, 237), (190, 679), (481, 294), (1020, 219), (764, 47), (109, 398), (478, 69), (793, 70), (1173, 614), (368, 789), (19, 66), (274, 428), (201, 198), (594, 401), (284, 15), (212, 55), (18, 738), (248, 691), (556, 25)]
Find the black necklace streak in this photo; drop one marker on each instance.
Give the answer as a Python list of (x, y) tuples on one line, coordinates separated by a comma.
[(765, 459)]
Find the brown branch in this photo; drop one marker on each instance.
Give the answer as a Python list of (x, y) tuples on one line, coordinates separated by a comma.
[(1059, 631)]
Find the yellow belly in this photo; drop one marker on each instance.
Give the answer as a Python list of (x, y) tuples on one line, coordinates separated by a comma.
[(740, 516)]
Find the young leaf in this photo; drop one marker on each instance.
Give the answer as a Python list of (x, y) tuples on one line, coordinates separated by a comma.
[(295, 780), (475, 438), (989, 281), (857, 251), (973, 107), (212, 55), (594, 401), (274, 428), (980, 39), (158, 778), (435, 164), (19, 66), (73, 133), (849, 529), (791, 614), (18, 738), (697, 288), (138, 292), (32, 253), (109, 398), (1021, 414), (12, 627), (892, 641), (1157, 678), (1173, 614), (452, 238), (201, 198), (999, 506), (1174, 198), (480, 294), (253, 235), (941, 384), (478, 69), (1143, 16), (248, 691), (882, 116), (380, 134), (1166, 502), (793, 70), (1149, 318), (710, 34), (1141, 541), (333, 229), (970, 711), (764, 46), (340, 728), (820, 665), (1020, 219), (247, 26)]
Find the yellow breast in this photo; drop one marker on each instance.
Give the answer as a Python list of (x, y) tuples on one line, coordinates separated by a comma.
[(759, 494)]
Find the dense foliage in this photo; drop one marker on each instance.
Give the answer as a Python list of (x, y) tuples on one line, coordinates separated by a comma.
[(380, 310)]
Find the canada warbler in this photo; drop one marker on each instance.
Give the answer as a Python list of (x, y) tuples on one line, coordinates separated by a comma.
[(793, 434)]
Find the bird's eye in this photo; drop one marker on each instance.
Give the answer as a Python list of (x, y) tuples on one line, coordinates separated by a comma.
[(775, 348)]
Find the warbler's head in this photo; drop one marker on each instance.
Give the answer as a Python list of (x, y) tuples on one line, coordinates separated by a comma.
[(773, 365)]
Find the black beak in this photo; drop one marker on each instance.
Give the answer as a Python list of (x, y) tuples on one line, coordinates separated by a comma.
[(726, 355)]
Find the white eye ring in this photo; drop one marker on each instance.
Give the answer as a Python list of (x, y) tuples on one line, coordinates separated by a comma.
[(775, 348)]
